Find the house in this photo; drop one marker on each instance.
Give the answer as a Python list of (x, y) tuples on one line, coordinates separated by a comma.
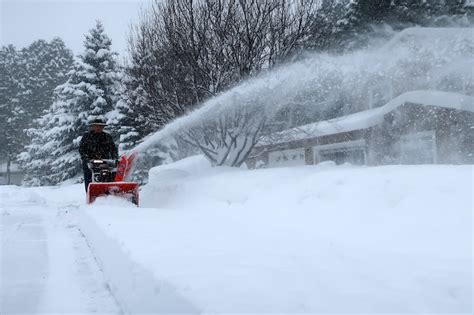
[(16, 175), (417, 127)]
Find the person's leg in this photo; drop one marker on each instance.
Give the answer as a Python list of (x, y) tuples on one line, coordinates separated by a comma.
[(87, 174)]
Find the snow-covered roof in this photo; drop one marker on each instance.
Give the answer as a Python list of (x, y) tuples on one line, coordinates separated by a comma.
[(372, 117)]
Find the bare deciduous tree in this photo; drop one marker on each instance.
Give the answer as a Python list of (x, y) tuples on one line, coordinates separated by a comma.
[(229, 139), (185, 52)]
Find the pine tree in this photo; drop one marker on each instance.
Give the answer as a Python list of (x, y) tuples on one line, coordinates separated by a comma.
[(127, 122), (12, 113), (334, 23), (344, 24), (100, 70), (28, 78), (131, 122), (49, 142), (92, 91), (46, 66), (139, 111)]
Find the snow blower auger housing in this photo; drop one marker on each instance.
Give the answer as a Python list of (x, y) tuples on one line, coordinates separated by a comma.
[(109, 178)]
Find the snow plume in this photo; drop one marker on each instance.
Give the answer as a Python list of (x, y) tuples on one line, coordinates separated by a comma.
[(325, 86)]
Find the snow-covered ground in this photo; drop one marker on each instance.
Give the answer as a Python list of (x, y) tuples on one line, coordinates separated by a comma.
[(307, 239), (46, 265)]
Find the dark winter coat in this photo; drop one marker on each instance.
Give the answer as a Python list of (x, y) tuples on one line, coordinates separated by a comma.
[(97, 146)]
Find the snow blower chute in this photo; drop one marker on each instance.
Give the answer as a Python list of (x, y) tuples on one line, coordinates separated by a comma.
[(104, 182)]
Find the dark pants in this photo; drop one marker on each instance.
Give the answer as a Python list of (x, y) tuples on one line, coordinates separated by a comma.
[(87, 174)]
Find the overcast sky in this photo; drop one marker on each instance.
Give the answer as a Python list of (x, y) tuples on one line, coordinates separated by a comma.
[(24, 21)]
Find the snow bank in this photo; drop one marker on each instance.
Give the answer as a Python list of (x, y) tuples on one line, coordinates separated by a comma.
[(164, 180), (196, 165), (288, 240), (133, 285)]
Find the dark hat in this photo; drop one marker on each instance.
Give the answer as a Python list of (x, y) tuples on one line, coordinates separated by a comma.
[(99, 122)]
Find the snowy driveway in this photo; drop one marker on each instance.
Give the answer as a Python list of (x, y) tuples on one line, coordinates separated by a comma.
[(24, 263), (46, 264)]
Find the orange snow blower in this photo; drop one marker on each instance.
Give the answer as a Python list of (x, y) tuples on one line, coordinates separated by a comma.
[(109, 178)]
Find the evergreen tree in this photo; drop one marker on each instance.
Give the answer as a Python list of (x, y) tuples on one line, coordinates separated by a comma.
[(47, 65), (131, 122), (128, 121), (91, 91), (344, 24), (51, 143), (144, 108), (28, 78), (98, 68), (12, 113), (334, 24)]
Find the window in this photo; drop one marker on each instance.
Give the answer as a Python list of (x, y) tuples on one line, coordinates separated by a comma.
[(418, 148), (287, 158), (352, 156), (353, 152)]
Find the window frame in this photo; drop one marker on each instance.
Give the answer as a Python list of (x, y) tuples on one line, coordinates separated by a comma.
[(360, 144), (273, 163)]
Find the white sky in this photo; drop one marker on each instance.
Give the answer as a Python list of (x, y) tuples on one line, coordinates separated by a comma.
[(24, 21)]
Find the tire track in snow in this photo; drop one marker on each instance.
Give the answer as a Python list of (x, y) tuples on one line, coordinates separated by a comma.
[(46, 264), (89, 264)]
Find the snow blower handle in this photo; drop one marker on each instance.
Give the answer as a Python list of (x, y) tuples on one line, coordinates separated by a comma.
[(102, 162)]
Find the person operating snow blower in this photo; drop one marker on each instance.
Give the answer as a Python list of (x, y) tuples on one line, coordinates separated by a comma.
[(96, 145), (104, 173)]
